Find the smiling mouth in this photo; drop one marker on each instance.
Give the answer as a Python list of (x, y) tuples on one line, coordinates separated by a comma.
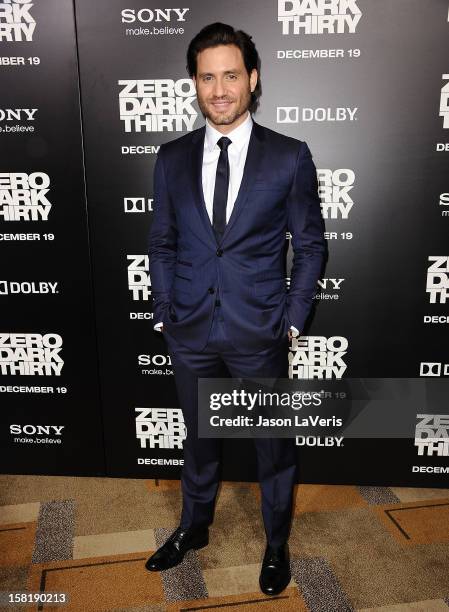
[(221, 104)]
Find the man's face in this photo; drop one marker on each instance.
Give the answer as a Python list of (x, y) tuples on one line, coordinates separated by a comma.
[(223, 86)]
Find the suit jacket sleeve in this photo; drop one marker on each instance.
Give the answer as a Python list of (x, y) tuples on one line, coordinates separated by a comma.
[(162, 242), (305, 223)]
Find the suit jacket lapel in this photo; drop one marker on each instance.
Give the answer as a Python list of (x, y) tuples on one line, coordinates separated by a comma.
[(254, 156), (196, 175)]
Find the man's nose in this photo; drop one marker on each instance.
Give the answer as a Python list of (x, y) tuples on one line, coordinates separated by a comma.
[(219, 88)]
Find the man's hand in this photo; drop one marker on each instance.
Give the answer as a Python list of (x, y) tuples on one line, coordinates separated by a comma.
[(293, 333)]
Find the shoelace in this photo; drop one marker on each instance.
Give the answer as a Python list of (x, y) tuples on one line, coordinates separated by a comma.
[(177, 537), (274, 554)]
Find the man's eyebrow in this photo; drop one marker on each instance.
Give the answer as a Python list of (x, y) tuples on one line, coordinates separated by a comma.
[(236, 71)]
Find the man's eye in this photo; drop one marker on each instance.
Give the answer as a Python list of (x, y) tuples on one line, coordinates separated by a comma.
[(232, 76), (206, 78)]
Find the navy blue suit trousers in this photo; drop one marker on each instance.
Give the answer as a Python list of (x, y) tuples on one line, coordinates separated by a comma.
[(276, 458)]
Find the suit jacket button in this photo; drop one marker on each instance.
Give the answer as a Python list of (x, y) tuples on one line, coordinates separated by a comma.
[(211, 290), (219, 252)]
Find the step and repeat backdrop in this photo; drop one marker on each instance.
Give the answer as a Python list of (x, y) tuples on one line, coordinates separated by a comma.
[(88, 93)]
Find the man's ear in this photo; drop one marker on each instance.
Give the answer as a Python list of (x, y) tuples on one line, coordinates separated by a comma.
[(253, 79)]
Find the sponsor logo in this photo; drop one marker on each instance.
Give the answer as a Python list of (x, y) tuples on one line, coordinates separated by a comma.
[(36, 434), (433, 368), (154, 15), (319, 441), (27, 287), (159, 365), (293, 114), (329, 289), (444, 201), (17, 114), (37, 430), (137, 205)]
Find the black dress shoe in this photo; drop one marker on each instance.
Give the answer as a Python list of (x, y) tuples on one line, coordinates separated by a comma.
[(275, 573), (172, 552)]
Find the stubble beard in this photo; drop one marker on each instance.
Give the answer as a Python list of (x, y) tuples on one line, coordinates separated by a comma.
[(225, 118)]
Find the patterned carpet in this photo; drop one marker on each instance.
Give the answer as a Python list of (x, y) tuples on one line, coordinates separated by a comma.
[(352, 548)]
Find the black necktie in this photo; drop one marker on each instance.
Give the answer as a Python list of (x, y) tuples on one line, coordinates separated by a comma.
[(221, 189)]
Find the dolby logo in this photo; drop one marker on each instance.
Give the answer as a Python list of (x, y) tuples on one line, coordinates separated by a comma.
[(138, 205), (27, 287), (433, 368), (293, 114)]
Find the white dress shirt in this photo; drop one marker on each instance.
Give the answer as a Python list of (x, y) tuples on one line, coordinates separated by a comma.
[(237, 151)]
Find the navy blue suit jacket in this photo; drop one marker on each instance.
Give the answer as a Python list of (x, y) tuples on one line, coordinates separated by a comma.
[(278, 192)]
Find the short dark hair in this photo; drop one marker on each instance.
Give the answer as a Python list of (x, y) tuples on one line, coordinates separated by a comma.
[(222, 34)]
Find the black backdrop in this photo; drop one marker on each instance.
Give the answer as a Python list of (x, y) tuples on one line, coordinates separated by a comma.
[(363, 85)]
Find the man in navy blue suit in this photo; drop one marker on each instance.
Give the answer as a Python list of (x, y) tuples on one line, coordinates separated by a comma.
[(224, 197)]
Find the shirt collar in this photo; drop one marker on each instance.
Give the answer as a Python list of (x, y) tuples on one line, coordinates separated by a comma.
[(239, 135)]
